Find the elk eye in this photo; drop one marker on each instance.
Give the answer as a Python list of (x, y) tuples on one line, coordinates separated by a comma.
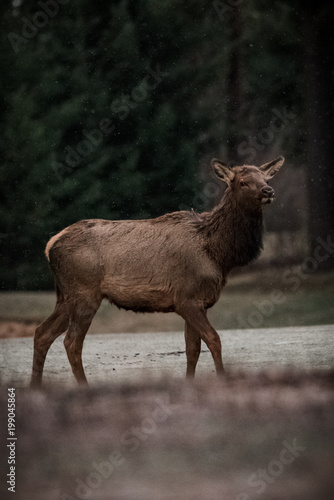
[(243, 183)]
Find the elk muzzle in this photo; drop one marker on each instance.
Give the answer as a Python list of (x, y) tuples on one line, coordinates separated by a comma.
[(268, 194)]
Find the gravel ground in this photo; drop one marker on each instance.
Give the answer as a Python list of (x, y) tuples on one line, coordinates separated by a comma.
[(131, 357)]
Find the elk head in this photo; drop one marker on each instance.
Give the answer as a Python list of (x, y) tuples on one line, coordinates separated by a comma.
[(249, 184)]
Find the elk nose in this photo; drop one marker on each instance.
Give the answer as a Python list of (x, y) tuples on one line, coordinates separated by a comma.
[(268, 192)]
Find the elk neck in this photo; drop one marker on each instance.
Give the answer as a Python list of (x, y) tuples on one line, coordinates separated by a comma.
[(232, 234)]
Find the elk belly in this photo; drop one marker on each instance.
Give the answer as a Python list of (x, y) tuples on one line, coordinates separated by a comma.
[(138, 296)]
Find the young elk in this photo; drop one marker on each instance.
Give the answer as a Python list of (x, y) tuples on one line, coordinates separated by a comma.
[(175, 263)]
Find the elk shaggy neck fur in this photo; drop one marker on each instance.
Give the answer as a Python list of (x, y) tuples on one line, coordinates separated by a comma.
[(232, 235)]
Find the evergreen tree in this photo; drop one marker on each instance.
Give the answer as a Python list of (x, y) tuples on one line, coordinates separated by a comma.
[(114, 109)]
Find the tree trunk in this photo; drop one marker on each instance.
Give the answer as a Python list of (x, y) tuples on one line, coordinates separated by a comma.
[(320, 127), (234, 87)]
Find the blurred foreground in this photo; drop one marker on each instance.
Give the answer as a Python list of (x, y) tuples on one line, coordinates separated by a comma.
[(267, 436)]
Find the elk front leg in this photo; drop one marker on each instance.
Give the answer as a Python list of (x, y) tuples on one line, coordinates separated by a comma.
[(193, 349), (196, 318)]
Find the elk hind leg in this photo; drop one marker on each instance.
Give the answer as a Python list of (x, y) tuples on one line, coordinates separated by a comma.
[(45, 335), (81, 316)]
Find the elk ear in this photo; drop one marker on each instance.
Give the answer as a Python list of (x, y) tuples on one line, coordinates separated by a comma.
[(270, 169), (222, 171)]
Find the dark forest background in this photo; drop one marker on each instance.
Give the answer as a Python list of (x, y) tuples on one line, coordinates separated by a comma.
[(115, 109)]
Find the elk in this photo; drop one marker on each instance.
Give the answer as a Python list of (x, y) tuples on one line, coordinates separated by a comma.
[(177, 262)]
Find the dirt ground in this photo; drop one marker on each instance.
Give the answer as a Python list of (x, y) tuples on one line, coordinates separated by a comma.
[(16, 329), (140, 432)]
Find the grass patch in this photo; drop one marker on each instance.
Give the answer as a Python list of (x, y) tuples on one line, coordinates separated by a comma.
[(258, 299)]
